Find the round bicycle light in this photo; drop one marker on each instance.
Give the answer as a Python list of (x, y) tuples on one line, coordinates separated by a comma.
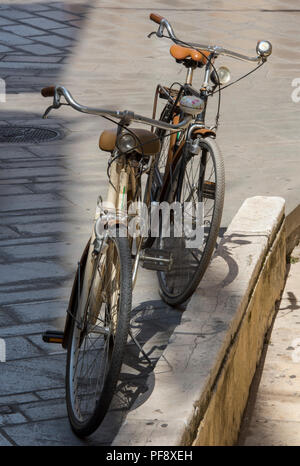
[(126, 142), (263, 48), (221, 77), (191, 104)]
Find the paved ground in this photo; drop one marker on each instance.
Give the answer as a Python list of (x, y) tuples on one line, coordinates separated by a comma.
[(273, 414), (47, 191)]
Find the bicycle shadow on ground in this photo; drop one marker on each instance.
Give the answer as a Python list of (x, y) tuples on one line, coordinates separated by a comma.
[(152, 323), (225, 252)]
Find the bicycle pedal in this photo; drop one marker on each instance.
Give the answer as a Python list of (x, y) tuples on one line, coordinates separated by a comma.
[(156, 259), (209, 189), (52, 336)]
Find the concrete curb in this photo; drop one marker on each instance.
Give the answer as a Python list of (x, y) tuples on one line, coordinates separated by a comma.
[(203, 378), (292, 229)]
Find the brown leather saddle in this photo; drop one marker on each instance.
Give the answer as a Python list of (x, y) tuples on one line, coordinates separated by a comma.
[(186, 53)]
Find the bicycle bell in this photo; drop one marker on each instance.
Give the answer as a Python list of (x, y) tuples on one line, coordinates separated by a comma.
[(191, 105), (263, 48)]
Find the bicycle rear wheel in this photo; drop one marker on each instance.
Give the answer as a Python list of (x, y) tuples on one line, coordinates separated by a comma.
[(98, 337), (198, 179)]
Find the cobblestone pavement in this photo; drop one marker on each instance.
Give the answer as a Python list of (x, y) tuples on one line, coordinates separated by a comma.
[(99, 50)]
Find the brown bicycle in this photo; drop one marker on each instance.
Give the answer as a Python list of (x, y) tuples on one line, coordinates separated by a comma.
[(182, 166)]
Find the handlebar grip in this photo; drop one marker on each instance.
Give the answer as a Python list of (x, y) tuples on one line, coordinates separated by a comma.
[(156, 18), (48, 91)]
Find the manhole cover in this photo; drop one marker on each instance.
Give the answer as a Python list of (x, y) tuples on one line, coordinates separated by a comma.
[(22, 134)]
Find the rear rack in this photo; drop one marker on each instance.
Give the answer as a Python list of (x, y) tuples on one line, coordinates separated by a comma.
[(167, 93)]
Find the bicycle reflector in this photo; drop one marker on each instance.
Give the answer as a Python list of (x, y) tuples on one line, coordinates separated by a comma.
[(191, 105), (221, 77)]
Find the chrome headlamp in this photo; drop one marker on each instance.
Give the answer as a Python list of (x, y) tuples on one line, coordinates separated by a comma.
[(126, 142), (222, 76)]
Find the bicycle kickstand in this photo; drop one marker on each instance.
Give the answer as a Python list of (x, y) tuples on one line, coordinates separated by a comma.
[(140, 348)]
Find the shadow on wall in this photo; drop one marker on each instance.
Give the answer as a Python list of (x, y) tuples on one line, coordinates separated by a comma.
[(37, 37)]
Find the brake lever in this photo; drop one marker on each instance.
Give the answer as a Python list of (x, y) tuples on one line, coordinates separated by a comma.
[(53, 106), (160, 30), (48, 110), (158, 33), (164, 24), (151, 34)]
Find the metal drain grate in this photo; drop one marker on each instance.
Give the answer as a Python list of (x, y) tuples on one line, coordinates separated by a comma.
[(29, 134)]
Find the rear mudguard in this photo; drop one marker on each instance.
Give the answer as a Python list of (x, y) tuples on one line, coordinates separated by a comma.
[(73, 295)]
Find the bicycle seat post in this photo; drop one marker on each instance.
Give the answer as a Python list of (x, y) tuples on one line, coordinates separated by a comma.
[(189, 75)]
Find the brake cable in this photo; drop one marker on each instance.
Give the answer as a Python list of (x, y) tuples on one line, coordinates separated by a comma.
[(239, 79), (178, 41)]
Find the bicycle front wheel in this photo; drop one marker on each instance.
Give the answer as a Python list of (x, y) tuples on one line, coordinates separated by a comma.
[(98, 337), (198, 181)]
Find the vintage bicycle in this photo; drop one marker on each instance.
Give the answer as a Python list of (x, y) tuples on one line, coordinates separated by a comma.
[(182, 164)]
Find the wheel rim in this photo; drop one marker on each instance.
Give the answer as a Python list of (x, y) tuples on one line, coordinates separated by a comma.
[(93, 343)]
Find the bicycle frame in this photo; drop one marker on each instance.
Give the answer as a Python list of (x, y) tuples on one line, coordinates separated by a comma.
[(98, 316), (173, 96), (123, 175)]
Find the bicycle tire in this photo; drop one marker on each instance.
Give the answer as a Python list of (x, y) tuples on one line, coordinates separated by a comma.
[(113, 344), (190, 282)]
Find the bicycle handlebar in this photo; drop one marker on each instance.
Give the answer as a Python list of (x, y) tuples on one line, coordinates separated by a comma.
[(127, 116), (48, 91), (164, 24), (263, 48), (156, 18)]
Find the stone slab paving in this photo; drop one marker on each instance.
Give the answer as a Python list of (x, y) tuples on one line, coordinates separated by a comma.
[(273, 414), (99, 50), (48, 194), (28, 30)]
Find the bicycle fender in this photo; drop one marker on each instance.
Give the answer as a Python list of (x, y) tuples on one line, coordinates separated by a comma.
[(73, 295), (204, 132)]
